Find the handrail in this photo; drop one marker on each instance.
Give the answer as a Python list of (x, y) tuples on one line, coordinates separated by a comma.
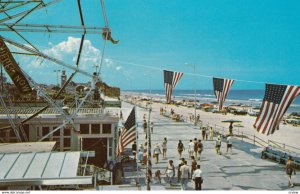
[(254, 139)]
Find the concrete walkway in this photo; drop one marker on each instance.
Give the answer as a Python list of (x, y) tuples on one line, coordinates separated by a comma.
[(241, 170)]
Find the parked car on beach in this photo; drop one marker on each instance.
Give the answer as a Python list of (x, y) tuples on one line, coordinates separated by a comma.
[(253, 113), (240, 112)]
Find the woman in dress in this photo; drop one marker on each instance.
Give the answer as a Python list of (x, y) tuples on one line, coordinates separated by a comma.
[(170, 171)]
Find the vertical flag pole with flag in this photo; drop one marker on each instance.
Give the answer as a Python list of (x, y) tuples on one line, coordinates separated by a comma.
[(149, 163), (137, 166), (171, 79), (128, 133), (276, 101), (221, 89)]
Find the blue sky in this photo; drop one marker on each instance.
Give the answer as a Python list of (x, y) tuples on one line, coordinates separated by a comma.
[(246, 40)]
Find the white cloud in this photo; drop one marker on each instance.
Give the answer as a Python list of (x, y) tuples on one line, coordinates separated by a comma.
[(68, 50)]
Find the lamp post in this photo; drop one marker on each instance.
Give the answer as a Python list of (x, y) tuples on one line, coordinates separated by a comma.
[(148, 132), (57, 71), (194, 68)]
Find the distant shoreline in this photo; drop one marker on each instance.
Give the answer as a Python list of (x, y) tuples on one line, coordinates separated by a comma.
[(247, 97)]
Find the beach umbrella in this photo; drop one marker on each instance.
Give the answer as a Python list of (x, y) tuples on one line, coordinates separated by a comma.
[(231, 121), (230, 126)]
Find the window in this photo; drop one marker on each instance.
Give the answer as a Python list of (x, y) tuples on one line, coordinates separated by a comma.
[(67, 131), (45, 131), (84, 129), (106, 128), (56, 133), (95, 128), (67, 142)]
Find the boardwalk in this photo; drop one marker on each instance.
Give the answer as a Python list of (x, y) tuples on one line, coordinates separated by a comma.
[(241, 170)]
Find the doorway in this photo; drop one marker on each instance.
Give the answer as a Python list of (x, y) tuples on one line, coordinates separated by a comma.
[(99, 145)]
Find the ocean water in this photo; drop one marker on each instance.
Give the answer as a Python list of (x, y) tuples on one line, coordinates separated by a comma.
[(247, 97)]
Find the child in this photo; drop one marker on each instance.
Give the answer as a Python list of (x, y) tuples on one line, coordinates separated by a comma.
[(157, 177)]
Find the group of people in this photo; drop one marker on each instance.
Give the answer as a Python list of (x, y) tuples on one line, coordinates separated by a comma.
[(184, 173), (207, 133)]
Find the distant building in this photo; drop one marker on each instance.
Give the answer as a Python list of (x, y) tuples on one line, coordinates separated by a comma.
[(63, 77)]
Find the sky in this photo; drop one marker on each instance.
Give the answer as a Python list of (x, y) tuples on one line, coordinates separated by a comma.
[(252, 40)]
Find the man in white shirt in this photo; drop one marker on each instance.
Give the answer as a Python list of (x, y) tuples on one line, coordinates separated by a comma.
[(197, 177), (229, 144), (184, 171), (191, 148)]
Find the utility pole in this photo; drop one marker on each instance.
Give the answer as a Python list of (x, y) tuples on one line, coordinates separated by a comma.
[(149, 163)]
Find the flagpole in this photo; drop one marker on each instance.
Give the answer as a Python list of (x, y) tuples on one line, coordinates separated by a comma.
[(195, 95), (149, 164), (136, 137)]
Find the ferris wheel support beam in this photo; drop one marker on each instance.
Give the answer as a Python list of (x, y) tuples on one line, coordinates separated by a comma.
[(15, 6), (51, 28), (41, 5), (27, 13), (40, 54)]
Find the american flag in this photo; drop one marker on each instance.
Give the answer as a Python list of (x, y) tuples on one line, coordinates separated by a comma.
[(128, 134), (221, 89), (276, 101), (171, 79)]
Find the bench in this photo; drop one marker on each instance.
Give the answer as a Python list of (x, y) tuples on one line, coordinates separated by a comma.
[(273, 154), (296, 160), (279, 156)]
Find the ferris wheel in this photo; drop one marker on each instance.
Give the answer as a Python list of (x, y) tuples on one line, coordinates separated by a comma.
[(12, 15)]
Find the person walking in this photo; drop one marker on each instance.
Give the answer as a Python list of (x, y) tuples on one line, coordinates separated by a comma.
[(206, 133), (164, 148), (151, 127), (203, 133), (193, 165), (200, 149), (195, 147), (231, 128), (157, 177), (170, 172), (229, 144), (181, 163), (133, 149), (218, 145), (180, 148), (211, 133), (121, 115), (156, 152), (191, 149), (197, 177), (290, 168), (184, 170), (140, 155)]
